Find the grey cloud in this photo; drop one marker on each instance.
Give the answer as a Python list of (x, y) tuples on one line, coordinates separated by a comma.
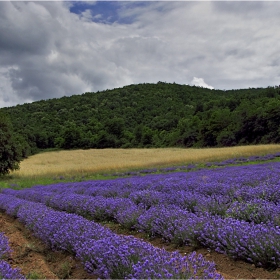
[(234, 7), (21, 29), (240, 53), (136, 51), (47, 52), (275, 62), (263, 10)]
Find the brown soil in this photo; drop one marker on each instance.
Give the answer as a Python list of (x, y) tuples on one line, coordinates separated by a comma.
[(37, 261), (34, 259)]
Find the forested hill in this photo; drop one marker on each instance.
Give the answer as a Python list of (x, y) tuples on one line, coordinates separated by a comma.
[(150, 115)]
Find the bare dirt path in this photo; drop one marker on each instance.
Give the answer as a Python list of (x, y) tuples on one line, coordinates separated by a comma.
[(37, 261), (34, 259)]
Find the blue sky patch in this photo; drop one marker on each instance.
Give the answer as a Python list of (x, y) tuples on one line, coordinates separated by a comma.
[(107, 11), (102, 11)]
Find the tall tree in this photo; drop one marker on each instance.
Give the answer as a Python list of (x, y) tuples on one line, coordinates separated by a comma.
[(10, 148)]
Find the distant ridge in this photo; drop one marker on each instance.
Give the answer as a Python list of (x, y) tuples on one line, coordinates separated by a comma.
[(150, 115)]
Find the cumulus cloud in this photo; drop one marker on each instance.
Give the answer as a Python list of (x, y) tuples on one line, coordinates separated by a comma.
[(53, 49), (200, 83)]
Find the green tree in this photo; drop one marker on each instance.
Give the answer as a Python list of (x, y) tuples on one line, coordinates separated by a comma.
[(115, 126), (71, 135), (10, 148), (147, 136)]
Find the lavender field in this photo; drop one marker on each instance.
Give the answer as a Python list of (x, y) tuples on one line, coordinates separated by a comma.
[(232, 210)]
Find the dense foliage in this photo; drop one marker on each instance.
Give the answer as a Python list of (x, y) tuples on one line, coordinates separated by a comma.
[(151, 115), (11, 147)]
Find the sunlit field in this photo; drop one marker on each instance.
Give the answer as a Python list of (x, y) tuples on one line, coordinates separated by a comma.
[(84, 162)]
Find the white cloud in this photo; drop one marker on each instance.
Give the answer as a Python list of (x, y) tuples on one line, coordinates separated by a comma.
[(87, 16), (200, 83)]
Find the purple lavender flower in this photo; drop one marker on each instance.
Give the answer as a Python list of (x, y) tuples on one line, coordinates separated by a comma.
[(7, 272), (4, 246)]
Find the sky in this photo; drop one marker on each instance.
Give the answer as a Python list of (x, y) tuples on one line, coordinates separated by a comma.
[(58, 48)]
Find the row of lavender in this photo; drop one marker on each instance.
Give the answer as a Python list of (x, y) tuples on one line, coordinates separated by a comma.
[(257, 243), (190, 167), (183, 208), (101, 251), (248, 193), (6, 271), (239, 182)]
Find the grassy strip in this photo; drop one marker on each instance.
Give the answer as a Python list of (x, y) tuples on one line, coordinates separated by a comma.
[(80, 165)]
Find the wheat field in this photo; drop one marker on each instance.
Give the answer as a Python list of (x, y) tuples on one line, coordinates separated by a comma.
[(67, 163)]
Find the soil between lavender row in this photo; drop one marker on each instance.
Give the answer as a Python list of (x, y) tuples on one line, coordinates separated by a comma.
[(34, 259), (37, 261)]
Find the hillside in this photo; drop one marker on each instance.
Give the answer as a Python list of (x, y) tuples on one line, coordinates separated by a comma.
[(150, 115)]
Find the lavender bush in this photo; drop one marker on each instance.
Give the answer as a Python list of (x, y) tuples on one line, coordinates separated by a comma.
[(172, 223), (256, 243), (4, 246), (256, 210), (6, 271), (128, 216)]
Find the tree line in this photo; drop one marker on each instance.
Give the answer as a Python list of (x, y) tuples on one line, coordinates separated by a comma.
[(149, 115)]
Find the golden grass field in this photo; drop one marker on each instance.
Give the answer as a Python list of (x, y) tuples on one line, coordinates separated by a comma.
[(82, 162)]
